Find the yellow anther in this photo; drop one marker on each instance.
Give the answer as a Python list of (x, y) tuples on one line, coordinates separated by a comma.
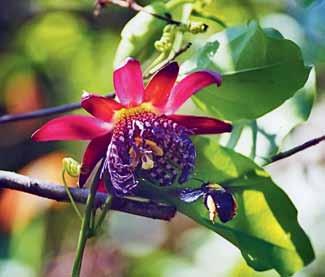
[(154, 147), (158, 151), (212, 208), (138, 140), (147, 162)]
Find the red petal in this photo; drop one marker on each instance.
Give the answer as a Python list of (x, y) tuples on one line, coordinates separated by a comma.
[(188, 86), (128, 83), (101, 186), (159, 87), (201, 125), (100, 106), (95, 150), (72, 127)]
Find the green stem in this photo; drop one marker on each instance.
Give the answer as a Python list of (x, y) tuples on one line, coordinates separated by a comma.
[(235, 135), (105, 210), (84, 231), (254, 139), (183, 17), (73, 203), (156, 63), (92, 224)]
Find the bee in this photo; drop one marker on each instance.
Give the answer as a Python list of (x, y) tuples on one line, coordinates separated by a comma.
[(218, 200)]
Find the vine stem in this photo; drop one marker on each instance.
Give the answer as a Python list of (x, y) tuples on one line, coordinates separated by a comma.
[(73, 203), (107, 206), (296, 149), (84, 231)]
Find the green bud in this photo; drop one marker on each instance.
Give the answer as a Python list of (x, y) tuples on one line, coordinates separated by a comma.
[(71, 166), (167, 38)]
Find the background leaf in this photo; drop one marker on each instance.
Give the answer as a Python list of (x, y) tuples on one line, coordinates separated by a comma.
[(260, 71), (139, 34), (273, 128), (265, 229)]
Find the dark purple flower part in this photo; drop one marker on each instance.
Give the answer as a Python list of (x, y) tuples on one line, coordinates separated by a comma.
[(158, 147), (139, 136)]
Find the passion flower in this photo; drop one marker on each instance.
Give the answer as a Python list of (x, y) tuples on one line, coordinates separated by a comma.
[(139, 134)]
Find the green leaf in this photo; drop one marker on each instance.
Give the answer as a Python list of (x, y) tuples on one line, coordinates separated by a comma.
[(260, 71), (273, 128), (265, 229), (139, 34)]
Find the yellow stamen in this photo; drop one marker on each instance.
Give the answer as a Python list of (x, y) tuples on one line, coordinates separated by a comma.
[(151, 144), (154, 147), (147, 162)]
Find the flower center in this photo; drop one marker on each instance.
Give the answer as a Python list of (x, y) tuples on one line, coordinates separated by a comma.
[(144, 149), (146, 145)]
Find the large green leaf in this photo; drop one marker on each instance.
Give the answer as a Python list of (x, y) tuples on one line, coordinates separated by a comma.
[(264, 137), (260, 71), (265, 229)]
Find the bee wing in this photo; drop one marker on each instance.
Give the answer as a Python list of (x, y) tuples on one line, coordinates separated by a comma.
[(190, 195)]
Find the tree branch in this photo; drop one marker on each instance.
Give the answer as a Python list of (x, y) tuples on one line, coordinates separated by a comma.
[(294, 150), (43, 112), (39, 113), (11, 180)]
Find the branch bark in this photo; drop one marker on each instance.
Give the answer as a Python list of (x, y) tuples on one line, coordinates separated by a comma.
[(43, 112), (295, 150), (11, 180)]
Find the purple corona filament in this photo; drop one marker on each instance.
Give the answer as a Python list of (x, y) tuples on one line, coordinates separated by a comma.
[(155, 147)]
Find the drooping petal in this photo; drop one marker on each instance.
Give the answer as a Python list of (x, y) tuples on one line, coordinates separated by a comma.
[(72, 127), (201, 125), (101, 186), (128, 83), (158, 89), (188, 86), (100, 106), (95, 150)]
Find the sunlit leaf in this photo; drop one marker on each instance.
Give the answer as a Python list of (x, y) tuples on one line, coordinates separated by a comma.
[(265, 229), (260, 71)]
